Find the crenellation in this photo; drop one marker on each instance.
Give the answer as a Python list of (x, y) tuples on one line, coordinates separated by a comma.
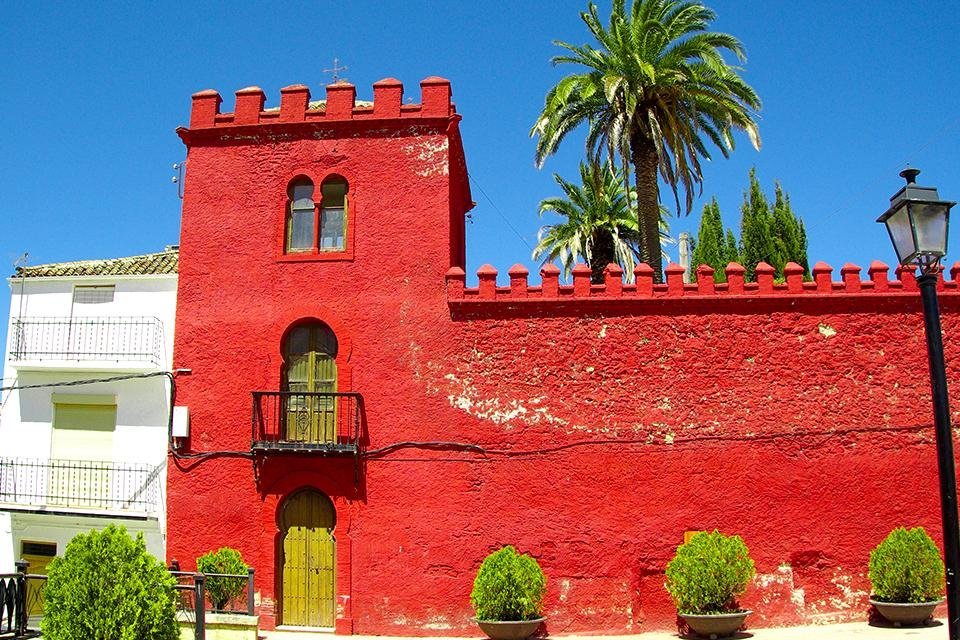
[(674, 273), (581, 280), (613, 280), (341, 100), (764, 273), (387, 98), (550, 274), (250, 101), (518, 281), (822, 277), (340, 104), (205, 108), (294, 102), (614, 285)]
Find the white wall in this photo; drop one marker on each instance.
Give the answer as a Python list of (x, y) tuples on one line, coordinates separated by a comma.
[(6, 544), (26, 415), (34, 527)]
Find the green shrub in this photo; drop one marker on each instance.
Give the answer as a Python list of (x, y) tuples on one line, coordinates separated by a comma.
[(509, 586), (708, 573), (224, 560), (108, 587), (906, 567)]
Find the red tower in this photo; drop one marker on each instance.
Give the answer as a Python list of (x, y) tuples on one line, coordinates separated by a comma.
[(314, 235)]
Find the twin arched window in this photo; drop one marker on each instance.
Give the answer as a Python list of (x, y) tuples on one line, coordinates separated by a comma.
[(312, 226)]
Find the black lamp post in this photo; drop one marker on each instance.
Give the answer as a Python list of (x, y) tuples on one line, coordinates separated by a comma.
[(917, 221)]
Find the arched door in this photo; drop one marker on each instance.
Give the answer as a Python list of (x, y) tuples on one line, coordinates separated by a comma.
[(310, 379), (308, 560)]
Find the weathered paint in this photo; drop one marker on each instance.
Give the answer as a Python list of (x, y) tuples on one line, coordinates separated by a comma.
[(617, 417)]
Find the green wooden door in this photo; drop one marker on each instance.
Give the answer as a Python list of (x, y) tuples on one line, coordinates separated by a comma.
[(310, 366), (309, 560)]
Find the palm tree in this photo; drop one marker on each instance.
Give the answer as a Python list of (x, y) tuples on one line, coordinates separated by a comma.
[(653, 94), (600, 226)]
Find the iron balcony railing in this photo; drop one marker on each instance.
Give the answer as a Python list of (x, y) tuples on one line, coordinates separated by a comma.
[(109, 338), (80, 484), (300, 421)]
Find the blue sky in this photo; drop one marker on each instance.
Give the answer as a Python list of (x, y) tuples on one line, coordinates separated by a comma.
[(851, 91)]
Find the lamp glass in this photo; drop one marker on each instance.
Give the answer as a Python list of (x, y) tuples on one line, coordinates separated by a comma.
[(901, 233), (930, 224)]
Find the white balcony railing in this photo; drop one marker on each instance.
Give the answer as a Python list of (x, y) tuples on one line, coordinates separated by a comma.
[(85, 339), (80, 484)]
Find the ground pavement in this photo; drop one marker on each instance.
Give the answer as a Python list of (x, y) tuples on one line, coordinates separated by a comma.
[(853, 630)]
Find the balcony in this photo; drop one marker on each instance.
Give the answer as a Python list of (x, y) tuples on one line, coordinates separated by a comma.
[(327, 423), (80, 486), (137, 342)]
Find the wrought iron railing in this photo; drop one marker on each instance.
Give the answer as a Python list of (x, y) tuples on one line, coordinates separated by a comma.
[(84, 339), (296, 421), (16, 593), (80, 484)]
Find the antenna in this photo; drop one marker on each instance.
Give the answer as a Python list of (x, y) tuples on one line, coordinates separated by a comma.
[(178, 179), (336, 70)]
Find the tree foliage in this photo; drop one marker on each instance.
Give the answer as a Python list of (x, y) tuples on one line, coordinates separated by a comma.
[(654, 93), (906, 567), (709, 573), (223, 561), (509, 586), (108, 587), (772, 235), (600, 223), (711, 245)]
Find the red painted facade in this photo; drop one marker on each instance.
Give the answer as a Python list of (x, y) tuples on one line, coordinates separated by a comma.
[(588, 425)]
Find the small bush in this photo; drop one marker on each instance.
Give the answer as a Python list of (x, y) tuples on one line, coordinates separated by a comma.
[(906, 567), (509, 587), (709, 573), (108, 587), (224, 560)]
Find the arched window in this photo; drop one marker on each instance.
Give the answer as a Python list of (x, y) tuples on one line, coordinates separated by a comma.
[(310, 382), (301, 216), (333, 214)]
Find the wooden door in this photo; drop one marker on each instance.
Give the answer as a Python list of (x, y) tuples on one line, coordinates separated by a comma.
[(310, 367), (38, 556), (308, 560)]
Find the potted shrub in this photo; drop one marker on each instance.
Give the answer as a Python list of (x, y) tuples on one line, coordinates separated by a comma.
[(222, 589), (507, 595), (705, 579), (907, 576)]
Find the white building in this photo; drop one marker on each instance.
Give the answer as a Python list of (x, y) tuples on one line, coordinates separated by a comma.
[(76, 457)]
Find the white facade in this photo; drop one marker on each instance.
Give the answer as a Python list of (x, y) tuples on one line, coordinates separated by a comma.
[(76, 457)]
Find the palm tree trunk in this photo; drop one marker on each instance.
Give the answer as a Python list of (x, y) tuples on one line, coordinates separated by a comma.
[(601, 254), (643, 157)]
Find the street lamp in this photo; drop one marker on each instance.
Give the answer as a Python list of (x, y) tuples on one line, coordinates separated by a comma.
[(917, 221)]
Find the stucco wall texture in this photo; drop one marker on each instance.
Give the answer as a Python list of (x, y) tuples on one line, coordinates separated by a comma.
[(601, 424)]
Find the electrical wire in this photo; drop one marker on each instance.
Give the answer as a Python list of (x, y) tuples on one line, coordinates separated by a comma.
[(497, 209)]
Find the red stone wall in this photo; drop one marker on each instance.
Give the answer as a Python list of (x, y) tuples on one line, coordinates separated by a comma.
[(589, 426)]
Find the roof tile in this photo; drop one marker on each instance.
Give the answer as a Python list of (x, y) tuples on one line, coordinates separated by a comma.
[(149, 264)]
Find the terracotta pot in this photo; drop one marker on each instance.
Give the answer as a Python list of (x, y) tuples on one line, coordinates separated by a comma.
[(901, 613), (715, 625), (511, 630)]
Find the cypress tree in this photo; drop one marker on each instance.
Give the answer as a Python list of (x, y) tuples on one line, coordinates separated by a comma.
[(710, 245), (803, 244), (732, 250), (756, 224), (785, 233)]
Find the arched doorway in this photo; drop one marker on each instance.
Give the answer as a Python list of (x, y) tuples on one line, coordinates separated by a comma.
[(308, 560), (310, 380)]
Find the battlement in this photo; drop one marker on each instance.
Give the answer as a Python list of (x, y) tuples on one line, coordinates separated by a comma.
[(614, 287), (340, 105)]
